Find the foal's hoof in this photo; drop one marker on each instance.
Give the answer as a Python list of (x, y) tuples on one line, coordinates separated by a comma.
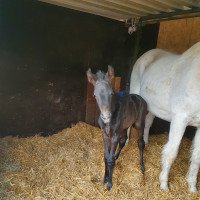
[(142, 169), (109, 186), (116, 157), (164, 186), (105, 180)]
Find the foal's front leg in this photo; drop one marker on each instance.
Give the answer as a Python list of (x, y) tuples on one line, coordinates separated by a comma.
[(110, 160), (106, 143)]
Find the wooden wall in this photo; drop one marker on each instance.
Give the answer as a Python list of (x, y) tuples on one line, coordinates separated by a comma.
[(179, 35)]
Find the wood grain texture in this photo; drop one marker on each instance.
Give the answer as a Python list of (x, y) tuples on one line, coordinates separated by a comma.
[(179, 35)]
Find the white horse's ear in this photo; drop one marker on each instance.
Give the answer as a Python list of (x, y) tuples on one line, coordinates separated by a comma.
[(110, 73), (91, 77)]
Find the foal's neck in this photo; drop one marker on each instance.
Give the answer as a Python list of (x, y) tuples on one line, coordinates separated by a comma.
[(115, 107)]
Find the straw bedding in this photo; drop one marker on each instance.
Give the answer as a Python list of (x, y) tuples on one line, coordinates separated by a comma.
[(69, 165)]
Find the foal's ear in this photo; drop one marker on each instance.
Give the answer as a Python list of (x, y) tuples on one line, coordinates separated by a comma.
[(91, 77), (110, 73)]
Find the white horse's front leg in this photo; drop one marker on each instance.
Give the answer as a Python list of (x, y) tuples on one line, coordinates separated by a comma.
[(170, 151), (195, 163), (148, 122)]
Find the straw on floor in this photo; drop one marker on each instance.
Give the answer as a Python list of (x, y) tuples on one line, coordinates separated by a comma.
[(69, 165)]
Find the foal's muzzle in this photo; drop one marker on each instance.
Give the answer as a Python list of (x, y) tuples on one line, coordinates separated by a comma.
[(106, 117)]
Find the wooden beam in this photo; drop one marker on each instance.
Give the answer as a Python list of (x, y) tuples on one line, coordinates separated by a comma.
[(152, 19)]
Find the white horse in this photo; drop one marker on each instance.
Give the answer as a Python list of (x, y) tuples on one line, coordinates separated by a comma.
[(170, 84)]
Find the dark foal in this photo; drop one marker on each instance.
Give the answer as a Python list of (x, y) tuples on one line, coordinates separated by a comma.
[(117, 115)]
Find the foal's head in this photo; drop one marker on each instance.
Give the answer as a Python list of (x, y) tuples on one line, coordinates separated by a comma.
[(102, 91)]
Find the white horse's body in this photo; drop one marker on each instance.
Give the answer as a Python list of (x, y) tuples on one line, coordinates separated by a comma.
[(170, 84)]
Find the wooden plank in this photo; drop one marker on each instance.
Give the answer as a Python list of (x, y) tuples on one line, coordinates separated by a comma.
[(179, 14), (117, 84), (179, 35), (195, 31), (174, 35)]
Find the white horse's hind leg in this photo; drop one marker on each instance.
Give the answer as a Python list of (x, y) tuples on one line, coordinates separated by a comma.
[(195, 163), (128, 134), (170, 151), (148, 122)]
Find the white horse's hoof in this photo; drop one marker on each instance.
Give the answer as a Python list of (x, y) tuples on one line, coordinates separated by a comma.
[(192, 189), (191, 184), (146, 141), (164, 186)]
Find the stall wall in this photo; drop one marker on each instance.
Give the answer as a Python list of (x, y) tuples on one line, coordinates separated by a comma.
[(45, 51), (179, 35)]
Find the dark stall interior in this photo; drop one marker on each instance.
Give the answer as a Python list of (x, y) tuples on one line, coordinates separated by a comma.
[(45, 51)]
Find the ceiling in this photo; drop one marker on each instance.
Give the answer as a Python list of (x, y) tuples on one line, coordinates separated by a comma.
[(123, 10)]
